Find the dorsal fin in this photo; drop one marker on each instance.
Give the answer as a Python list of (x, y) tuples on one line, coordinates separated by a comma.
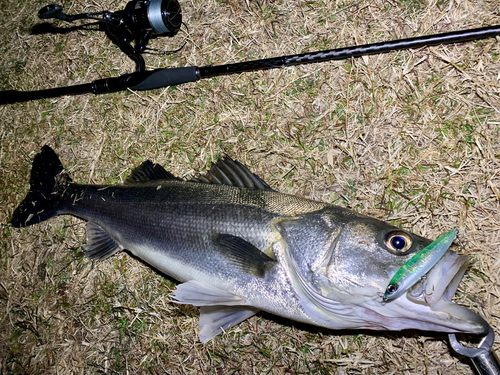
[(227, 171), (149, 171)]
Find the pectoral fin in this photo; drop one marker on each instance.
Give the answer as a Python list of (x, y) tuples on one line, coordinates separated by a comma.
[(242, 255)]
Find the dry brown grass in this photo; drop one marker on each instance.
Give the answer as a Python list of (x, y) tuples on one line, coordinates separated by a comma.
[(410, 137)]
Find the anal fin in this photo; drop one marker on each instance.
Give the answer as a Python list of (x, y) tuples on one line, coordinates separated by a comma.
[(99, 244)]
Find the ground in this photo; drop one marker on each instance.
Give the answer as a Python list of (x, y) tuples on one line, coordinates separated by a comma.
[(409, 137)]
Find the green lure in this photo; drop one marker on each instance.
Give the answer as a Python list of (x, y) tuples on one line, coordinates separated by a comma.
[(419, 265)]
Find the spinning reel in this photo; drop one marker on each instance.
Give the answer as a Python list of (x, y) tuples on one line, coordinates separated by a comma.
[(140, 21)]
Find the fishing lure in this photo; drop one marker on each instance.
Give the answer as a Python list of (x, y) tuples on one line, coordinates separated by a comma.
[(418, 266)]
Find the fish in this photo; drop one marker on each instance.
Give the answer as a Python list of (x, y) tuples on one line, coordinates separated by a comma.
[(236, 246), (418, 266)]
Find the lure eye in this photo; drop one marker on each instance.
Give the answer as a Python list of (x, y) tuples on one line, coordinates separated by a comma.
[(391, 289), (398, 242)]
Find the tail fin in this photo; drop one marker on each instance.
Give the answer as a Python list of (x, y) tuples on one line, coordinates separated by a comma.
[(44, 196)]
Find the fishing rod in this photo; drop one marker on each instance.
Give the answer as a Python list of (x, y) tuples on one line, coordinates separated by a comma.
[(154, 79)]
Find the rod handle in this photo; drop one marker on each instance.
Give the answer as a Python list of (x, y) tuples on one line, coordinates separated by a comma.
[(168, 77), (149, 80), (10, 96)]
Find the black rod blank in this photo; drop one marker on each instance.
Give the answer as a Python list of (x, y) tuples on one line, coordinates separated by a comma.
[(348, 52), (176, 76)]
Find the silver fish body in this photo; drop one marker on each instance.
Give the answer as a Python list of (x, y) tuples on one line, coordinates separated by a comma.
[(239, 247)]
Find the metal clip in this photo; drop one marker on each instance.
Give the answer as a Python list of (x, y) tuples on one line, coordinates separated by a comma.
[(482, 357)]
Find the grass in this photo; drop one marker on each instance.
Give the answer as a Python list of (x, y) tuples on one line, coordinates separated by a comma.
[(411, 137)]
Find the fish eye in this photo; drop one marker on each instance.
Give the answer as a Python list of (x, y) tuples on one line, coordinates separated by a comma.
[(398, 242)]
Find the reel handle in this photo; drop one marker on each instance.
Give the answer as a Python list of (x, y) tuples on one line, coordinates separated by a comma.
[(52, 11)]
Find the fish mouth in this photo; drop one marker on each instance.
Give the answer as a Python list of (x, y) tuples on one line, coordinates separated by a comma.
[(437, 288)]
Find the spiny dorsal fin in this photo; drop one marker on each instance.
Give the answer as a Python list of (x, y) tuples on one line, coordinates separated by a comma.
[(99, 244), (149, 171), (242, 255), (227, 171)]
